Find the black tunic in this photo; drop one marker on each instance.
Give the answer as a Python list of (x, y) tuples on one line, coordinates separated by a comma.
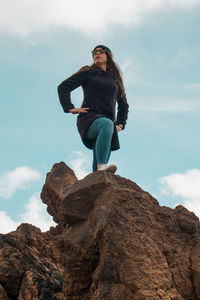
[(100, 90)]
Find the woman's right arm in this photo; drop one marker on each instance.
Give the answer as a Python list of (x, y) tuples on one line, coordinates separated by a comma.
[(64, 92)]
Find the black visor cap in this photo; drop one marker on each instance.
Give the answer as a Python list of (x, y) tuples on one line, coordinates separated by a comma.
[(103, 47)]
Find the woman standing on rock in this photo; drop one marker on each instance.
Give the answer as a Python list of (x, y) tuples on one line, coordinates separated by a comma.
[(103, 87)]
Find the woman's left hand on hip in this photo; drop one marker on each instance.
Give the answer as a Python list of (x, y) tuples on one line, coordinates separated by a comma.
[(118, 128)]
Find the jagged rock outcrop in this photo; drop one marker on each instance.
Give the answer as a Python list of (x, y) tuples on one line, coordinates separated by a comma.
[(112, 241)]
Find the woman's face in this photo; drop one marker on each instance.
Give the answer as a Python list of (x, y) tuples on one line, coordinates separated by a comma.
[(99, 56)]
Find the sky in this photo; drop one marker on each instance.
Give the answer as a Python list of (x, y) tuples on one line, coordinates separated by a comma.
[(156, 44)]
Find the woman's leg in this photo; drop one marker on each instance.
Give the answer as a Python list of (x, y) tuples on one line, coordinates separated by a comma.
[(101, 130), (94, 164), (108, 155)]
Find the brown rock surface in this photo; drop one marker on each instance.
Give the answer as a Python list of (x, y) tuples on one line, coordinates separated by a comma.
[(112, 241)]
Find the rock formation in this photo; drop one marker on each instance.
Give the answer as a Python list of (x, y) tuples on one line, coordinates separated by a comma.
[(112, 241)]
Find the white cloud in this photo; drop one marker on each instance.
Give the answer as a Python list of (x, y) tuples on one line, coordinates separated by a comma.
[(184, 185), (80, 164), (164, 104), (192, 86), (35, 214), (6, 223), (127, 66), (24, 17), (17, 179)]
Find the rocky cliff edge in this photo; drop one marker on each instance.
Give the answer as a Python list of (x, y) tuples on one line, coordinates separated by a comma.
[(112, 241)]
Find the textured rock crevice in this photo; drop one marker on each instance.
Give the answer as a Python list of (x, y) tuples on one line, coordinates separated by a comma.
[(112, 241)]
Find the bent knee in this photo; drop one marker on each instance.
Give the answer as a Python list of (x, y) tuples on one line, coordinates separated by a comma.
[(107, 124)]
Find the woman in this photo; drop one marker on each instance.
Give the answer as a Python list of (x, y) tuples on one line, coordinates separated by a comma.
[(103, 87)]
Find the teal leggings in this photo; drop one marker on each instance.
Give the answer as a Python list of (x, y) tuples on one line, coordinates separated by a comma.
[(101, 130)]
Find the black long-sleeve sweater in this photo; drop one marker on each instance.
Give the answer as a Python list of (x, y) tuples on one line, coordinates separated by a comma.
[(100, 90)]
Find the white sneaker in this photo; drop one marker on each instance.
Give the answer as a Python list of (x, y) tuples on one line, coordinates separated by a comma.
[(111, 168)]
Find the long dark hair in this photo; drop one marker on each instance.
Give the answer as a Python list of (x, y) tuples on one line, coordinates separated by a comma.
[(112, 67)]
